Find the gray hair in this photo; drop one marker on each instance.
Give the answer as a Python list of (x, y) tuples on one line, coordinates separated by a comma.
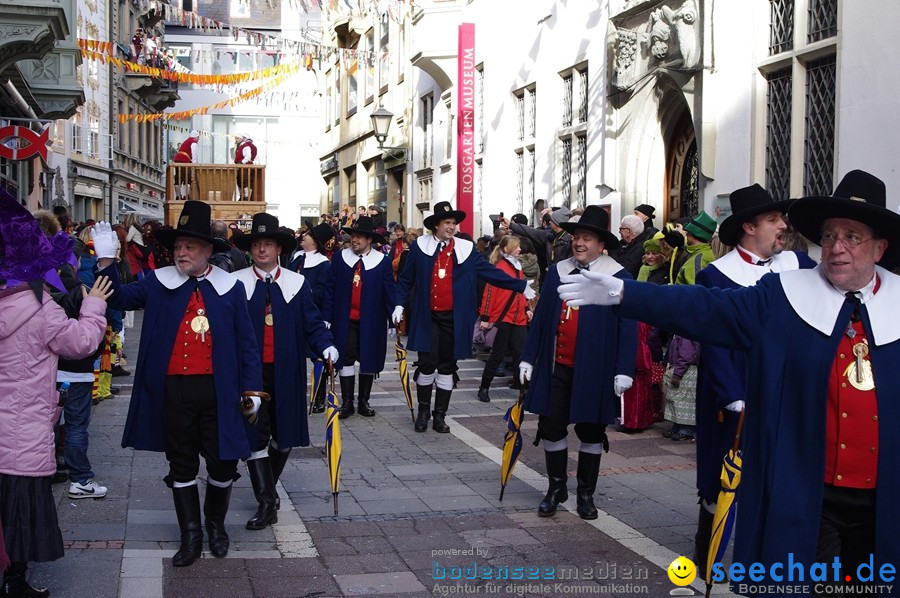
[(633, 223)]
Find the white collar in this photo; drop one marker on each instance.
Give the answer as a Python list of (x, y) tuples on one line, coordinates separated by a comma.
[(818, 303), (866, 293), (370, 260), (288, 281), (745, 274), (312, 259), (604, 264), (461, 247), (514, 261), (171, 278)]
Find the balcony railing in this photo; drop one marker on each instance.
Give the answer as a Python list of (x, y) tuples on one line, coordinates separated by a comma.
[(232, 190)]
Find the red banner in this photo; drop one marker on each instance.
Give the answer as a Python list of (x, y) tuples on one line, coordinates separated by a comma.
[(465, 126)]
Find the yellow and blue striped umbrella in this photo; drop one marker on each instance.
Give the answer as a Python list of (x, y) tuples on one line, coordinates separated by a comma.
[(723, 520), (400, 352), (512, 441), (333, 438)]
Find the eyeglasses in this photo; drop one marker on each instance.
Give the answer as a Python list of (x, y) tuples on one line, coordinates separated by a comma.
[(850, 241)]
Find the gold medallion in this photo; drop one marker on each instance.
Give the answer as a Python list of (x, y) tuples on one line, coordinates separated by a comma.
[(859, 373), (200, 324), (356, 279), (269, 320), (442, 272)]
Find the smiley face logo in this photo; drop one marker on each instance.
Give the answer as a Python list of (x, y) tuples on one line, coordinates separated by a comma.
[(682, 571)]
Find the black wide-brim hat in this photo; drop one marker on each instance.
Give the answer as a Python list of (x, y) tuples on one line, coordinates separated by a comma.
[(746, 204), (265, 226), (364, 227), (321, 233), (594, 219), (194, 222), (859, 196), (442, 211)]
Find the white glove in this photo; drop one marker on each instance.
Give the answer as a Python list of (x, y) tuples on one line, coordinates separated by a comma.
[(397, 315), (736, 406), (591, 288), (105, 240), (327, 325), (525, 370), (621, 383), (330, 353), (529, 291), (249, 406)]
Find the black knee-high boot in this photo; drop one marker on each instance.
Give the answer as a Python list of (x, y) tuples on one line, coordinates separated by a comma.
[(588, 470), (423, 394), (278, 459), (365, 389), (483, 391), (15, 585), (702, 538), (263, 483), (557, 477), (348, 383), (441, 404), (215, 507), (187, 508)]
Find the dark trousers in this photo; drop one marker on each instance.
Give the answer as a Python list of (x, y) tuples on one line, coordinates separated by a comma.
[(440, 357), (847, 527), (351, 350), (554, 427), (267, 417), (191, 429), (510, 340)]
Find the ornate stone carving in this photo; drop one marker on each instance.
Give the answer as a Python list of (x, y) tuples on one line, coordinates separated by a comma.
[(47, 69), (13, 31), (665, 36)]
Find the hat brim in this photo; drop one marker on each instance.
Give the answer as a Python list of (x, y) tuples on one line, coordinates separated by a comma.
[(369, 233), (807, 215), (166, 238), (730, 229), (433, 220), (287, 242), (610, 241)]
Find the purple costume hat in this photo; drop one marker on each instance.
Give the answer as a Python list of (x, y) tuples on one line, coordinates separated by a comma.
[(27, 253)]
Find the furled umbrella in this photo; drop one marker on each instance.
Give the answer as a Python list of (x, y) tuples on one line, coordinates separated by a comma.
[(333, 437), (512, 441), (315, 383), (723, 520), (400, 352)]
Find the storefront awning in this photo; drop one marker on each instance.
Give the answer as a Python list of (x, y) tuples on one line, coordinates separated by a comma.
[(144, 213)]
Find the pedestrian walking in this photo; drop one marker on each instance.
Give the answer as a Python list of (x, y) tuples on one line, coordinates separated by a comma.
[(443, 270), (285, 322), (34, 333), (196, 361), (579, 362), (364, 293), (819, 473)]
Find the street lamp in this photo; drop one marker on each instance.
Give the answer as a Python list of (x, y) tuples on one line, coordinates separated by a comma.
[(381, 123)]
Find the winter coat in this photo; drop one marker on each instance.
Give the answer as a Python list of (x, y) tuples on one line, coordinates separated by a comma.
[(33, 333), (496, 299)]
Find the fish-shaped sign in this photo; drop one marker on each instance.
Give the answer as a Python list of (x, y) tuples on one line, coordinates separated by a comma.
[(35, 144)]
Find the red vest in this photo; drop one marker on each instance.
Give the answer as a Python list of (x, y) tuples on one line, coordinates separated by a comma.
[(851, 422), (239, 152), (566, 335), (192, 353), (184, 153), (356, 291), (268, 330), (442, 286)]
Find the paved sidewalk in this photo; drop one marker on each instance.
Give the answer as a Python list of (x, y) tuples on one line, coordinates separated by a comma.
[(419, 514)]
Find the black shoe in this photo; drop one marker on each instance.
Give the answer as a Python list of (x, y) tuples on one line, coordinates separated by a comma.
[(441, 404), (422, 420), (263, 483), (438, 425), (318, 405), (483, 395), (558, 477), (347, 409), (114, 390), (588, 470), (215, 507), (423, 394), (15, 585), (118, 371), (187, 508)]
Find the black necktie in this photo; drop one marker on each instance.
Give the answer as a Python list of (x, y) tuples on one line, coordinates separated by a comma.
[(853, 297), (440, 247), (764, 262), (268, 286)]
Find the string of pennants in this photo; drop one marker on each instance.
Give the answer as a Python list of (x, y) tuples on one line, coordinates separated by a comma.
[(105, 53)]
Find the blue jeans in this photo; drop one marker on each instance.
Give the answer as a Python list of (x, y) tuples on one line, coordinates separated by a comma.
[(78, 417)]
